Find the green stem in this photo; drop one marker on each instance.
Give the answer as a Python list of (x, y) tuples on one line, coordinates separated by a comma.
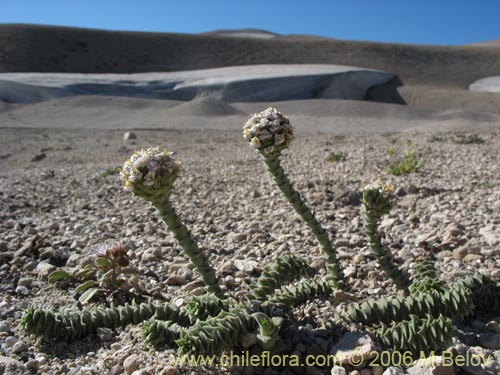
[(190, 247), (384, 256), (276, 170)]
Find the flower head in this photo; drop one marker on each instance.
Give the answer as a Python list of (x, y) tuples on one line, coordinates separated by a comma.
[(115, 254), (377, 197), (268, 131), (150, 173)]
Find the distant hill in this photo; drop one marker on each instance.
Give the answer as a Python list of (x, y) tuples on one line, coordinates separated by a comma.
[(242, 33), (25, 48), (487, 43)]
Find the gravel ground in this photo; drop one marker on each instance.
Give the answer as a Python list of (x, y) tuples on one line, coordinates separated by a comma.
[(57, 207)]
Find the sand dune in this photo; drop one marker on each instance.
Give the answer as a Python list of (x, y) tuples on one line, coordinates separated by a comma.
[(205, 107), (231, 84), (27, 48), (443, 98), (321, 115), (488, 84)]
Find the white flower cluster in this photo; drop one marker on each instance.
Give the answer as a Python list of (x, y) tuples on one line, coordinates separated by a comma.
[(268, 130), (377, 197), (147, 167), (382, 188)]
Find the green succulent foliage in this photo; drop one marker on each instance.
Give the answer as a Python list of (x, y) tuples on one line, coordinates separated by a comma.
[(69, 325), (202, 307), (269, 329), (485, 294), (408, 164), (189, 245), (334, 268), (216, 334), (377, 203), (426, 277), (417, 334), (454, 302), (298, 294), (224, 331), (284, 270), (161, 333)]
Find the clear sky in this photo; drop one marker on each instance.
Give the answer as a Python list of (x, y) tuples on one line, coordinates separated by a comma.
[(446, 22)]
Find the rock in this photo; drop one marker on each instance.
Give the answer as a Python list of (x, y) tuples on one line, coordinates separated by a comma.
[(32, 365), (342, 242), (350, 271), (25, 281), (20, 347), (73, 260), (393, 371), (356, 240), (493, 326), (169, 370), (411, 189), (491, 235), (490, 340), (378, 370), (387, 223), (460, 252), (247, 266), (5, 327), (431, 366), (193, 285), (495, 274), (365, 371), (44, 269), (248, 340), (10, 341), (236, 237), (22, 290), (132, 363), (38, 157), (340, 296), (176, 280), (129, 135), (353, 348), (471, 258), (227, 268), (104, 334), (145, 371), (318, 264), (338, 370), (11, 366)]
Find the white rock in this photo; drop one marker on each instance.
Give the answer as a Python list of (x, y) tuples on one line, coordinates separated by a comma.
[(11, 366), (244, 265), (129, 135), (491, 234), (431, 366), (22, 290), (132, 363), (393, 371), (353, 348), (44, 269), (338, 370)]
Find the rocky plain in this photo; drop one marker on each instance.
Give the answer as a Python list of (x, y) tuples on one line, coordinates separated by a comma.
[(62, 198)]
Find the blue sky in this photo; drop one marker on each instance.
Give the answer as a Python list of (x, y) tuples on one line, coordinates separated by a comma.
[(447, 22)]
